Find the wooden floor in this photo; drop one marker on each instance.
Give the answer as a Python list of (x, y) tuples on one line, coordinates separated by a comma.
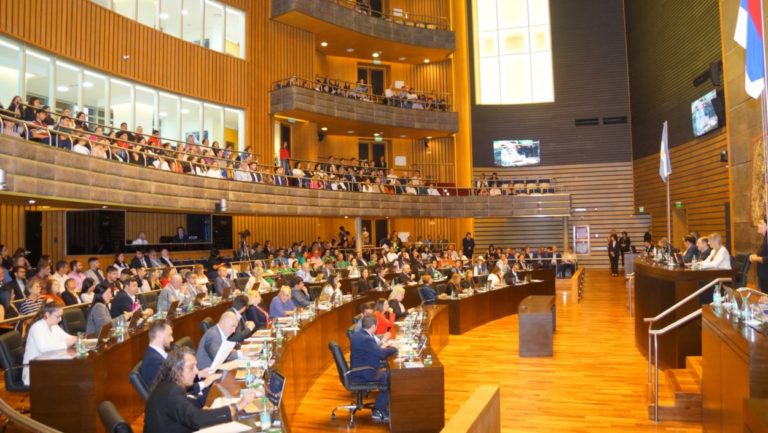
[(594, 383)]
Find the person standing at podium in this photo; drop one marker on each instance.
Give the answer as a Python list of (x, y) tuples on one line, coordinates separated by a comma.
[(760, 259)]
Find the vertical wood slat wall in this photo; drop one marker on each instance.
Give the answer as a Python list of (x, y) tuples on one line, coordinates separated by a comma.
[(154, 225), (281, 230), (699, 180), (12, 225)]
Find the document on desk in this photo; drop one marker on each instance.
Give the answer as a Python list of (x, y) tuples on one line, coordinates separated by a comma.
[(413, 364), (224, 350), (230, 427), (233, 365), (56, 354)]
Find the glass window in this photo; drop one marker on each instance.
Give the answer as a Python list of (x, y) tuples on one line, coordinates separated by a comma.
[(168, 113), (146, 100), (233, 128), (513, 46), (38, 77), (125, 7), (9, 72), (213, 123), (121, 103), (235, 43), (190, 119), (95, 97), (192, 20), (170, 17), (147, 12), (67, 87), (214, 26), (106, 3)]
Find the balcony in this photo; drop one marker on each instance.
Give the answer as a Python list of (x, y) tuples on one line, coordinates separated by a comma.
[(35, 170), (354, 32), (360, 117)]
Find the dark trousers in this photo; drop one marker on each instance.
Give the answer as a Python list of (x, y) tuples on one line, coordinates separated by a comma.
[(763, 284), (382, 398), (614, 264)]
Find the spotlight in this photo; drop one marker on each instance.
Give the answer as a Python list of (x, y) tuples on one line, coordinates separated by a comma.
[(323, 44)]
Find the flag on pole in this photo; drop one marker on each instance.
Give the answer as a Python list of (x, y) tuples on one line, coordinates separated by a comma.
[(749, 34), (665, 166)]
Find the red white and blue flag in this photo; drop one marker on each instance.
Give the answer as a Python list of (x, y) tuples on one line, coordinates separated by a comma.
[(749, 34)]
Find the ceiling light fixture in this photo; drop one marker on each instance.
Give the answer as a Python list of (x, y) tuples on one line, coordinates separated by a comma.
[(63, 89), (32, 202), (402, 58), (426, 60), (350, 50), (324, 128), (375, 55), (351, 131), (323, 44)]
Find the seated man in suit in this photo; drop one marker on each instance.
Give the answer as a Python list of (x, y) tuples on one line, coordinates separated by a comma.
[(170, 410), (165, 258), (160, 343), (212, 339), (300, 294), (702, 245), (282, 305), (365, 358), (140, 260), (480, 267), (365, 308), (405, 276), (690, 249), (222, 281), (245, 328), (379, 280), (174, 291), (126, 300)]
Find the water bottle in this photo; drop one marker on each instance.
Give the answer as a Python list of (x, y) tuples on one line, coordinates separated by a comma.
[(694, 263), (80, 346), (266, 417), (279, 337), (295, 317), (717, 298), (746, 311), (249, 379)]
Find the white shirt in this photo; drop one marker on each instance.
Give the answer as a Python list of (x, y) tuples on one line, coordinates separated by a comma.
[(42, 339), (160, 350), (243, 176), (140, 241), (61, 279), (79, 148), (494, 280), (86, 297), (719, 260)]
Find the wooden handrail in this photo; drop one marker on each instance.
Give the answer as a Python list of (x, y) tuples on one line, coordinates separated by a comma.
[(22, 422), (480, 413)]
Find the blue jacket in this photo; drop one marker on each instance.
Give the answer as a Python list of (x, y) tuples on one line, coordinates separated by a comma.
[(366, 352), (428, 295)]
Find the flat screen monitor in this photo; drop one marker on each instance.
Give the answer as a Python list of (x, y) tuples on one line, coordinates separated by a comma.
[(704, 115), (91, 232), (516, 153)]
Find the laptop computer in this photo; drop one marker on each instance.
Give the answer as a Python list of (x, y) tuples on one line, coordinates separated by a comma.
[(135, 321), (172, 308), (104, 335), (226, 292)]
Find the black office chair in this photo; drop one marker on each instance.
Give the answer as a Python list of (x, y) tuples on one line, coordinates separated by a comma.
[(440, 288), (741, 261), (350, 331), (149, 300), (138, 382), (360, 389), (111, 419), (185, 342), (11, 361), (206, 324), (73, 321)]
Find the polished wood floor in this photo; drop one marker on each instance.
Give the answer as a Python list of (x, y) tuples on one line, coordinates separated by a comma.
[(595, 382)]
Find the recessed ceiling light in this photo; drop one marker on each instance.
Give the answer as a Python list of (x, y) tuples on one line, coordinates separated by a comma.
[(63, 89), (104, 207), (87, 84), (376, 134), (429, 137), (351, 131), (402, 58), (403, 136), (350, 50), (32, 201), (375, 55), (163, 16), (323, 44), (324, 128), (426, 60)]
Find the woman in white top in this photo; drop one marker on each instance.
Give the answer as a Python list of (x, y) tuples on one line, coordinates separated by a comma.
[(719, 258), (495, 278), (86, 293), (354, 272), (45, 335)]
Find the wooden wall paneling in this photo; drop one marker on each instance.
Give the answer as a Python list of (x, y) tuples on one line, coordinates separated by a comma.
[(12, 225), (423, 228), (699, 180), (435, 159), (428, 8), (282, 231), (153, 224), (54, 234)]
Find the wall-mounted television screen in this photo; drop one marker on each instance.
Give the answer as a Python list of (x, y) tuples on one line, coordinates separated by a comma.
[(705, 115), (516, 153)]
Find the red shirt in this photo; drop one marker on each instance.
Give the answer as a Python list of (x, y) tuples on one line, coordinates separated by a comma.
[(383, 324)]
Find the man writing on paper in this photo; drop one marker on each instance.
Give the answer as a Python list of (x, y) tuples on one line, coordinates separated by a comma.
[(160, 342), (215, 340)]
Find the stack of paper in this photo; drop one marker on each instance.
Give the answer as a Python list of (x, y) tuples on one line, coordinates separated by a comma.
[(230, 427)]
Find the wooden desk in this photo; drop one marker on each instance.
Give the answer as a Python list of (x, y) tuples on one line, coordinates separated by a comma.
[(735, 368), (65, 394), (756, 416), (482, 307), (657, 287)]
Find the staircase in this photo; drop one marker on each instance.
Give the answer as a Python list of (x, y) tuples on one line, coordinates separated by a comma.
[(680, 394)]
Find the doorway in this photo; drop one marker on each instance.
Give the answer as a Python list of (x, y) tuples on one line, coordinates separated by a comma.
[(33, 235), (374, 77), (372, 151), (679, 226)]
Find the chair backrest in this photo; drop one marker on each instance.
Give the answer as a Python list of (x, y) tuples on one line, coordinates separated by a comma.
[(341, 363), (138, 382), (185, 342), (11, 359), (441, 287), (740, 261), (73, 320), (206, 324), (111, 419), (350, 331), (149, 300)]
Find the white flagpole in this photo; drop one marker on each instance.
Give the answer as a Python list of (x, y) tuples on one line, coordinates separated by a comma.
[(669, 213)]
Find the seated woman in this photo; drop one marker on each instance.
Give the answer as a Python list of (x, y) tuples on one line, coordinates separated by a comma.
[(385, 318), (255, 312), (7, 308), (45, 336), (98, 313), (496, 278), (86, 291), (468, 282), (331, 291), (34, 299), (454, 285), (363, 285), (396, 302)]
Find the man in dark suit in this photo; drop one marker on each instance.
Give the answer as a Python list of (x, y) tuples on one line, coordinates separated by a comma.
[(126, 300), (160, 343), (140, 261), (19, 282), (212, 339), (365, 359), (170, 410), (761, 258), (244, 328), (690, 249), (702, 244), (379, 280), (405, 276), (468, 245), (165, 259), (222, 281), (181, 235)]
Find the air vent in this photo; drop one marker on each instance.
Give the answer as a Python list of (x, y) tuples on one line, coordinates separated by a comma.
[(615, 120), (587, 122)]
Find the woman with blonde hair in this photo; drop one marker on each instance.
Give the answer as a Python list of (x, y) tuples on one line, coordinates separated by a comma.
[(396, 302)]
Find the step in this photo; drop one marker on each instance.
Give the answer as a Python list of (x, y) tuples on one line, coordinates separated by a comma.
[(684, 385), (679, 397), (693, 364)]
